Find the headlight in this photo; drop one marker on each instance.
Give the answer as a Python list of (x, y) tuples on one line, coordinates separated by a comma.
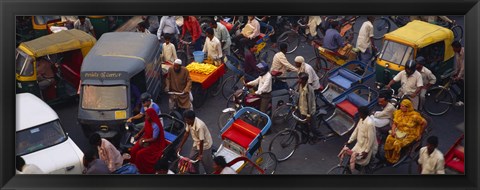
[(103, 127)]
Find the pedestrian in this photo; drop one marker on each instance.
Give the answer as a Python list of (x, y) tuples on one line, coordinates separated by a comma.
[(281, 64), (169, 52), (312, 24), (93, 165), (149, 148), (307, 103), (250, 64), (178, 80), (365, 42), (161, 167), (365, 135), (220, 166), (213, 47), (147, 102), (23, 168), (191, 25), (168, 25), (107, 152), (222, 34), (428, 78), (142, 28), (411, 83), (313, 79), (431, 160), (458, 77), (152, 22), (384, 117), (84, 24), (202, 141)]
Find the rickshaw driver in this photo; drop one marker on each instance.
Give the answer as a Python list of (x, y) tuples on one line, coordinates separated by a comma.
[(264, 83), (178, 80), (411, 81), (147, 102), (45, 73), (333, 41)]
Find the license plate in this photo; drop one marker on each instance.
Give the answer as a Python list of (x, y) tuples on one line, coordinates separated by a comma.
[(120, 114)]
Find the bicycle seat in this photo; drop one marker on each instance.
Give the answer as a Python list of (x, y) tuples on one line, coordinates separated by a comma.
[(276, 73)]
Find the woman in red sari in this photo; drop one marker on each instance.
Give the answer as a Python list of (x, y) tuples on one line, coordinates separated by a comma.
[(149, 148)]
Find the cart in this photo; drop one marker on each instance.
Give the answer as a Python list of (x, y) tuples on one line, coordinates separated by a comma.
[(455, 157), (345, 77), (240, 139)]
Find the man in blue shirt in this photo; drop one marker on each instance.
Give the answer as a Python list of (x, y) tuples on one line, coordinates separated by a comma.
[(147, 102), (333, 40)]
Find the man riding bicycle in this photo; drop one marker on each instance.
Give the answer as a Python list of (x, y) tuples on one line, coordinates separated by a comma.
[(178, 80)]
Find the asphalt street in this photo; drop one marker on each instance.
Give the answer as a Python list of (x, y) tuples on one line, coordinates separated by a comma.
[(308, 159)]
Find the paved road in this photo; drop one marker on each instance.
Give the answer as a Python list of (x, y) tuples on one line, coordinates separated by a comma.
[(308, 159)]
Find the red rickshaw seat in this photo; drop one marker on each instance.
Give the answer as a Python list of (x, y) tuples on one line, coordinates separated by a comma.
[(241, 133), (455, 159), (348, 107)]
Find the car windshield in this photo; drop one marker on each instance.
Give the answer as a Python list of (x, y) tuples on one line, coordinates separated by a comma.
[(40, 20), (39, 137), (396, 53), (104, 97), (23, 64)]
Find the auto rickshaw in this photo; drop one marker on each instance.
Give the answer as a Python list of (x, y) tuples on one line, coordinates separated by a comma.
[(64, 52), (415, 39), (120, 67)]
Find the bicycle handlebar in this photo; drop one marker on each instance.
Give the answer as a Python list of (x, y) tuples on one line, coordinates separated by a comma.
[(189, 160), (185, 42), (298, 118), (175, 93)]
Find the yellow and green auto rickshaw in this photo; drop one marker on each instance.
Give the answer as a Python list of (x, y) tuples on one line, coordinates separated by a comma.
[(60, 55), (415, 39)]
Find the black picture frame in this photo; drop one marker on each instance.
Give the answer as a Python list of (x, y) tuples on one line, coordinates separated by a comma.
[(9, 9)]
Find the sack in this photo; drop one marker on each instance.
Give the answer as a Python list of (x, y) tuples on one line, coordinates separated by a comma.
[(345, 50), (247, 30)]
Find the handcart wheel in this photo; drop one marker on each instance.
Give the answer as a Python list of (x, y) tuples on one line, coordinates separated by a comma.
[(217, 87), (265, 160)]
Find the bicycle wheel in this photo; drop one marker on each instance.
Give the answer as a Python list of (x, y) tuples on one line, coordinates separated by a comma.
[(321, 66), (216, 88), (438, 101), (199, 95), (339, 170), (281, 118), (381, 26), (267, 161), (291, 38), (229, 86), (284, 144), (223, 119), (457, 33)]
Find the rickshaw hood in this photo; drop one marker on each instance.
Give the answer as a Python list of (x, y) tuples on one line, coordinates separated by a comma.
[(421, 34), (63, 41)]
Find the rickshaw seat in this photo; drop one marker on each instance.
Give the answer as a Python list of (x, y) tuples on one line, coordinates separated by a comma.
[(169, 136), (344, 78), (351, 103), (241, 133), (455, 160)]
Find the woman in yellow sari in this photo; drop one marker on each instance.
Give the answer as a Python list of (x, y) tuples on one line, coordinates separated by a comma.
[(407, 127)]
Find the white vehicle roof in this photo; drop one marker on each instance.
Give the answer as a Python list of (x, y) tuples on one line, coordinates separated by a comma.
[(32, 111)]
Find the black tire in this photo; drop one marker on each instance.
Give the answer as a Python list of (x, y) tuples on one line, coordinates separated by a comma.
[(199, 95), (381, 26), (291, 38), (457, 33), (322, 67), (339, 170), (438, 101), (216, 88), (281, 118), (223, 119), (229, 86), (183, 56), (265, 160), (284, 144)]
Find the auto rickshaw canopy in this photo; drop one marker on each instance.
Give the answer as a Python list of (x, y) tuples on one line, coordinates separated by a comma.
[(119, 52), (62, 41), (419, 34)]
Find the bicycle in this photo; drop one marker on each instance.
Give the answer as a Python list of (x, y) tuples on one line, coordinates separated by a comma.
[(440, 98), (183, 52)]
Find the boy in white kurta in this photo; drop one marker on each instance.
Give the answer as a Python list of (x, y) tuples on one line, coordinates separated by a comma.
[(365, 135)]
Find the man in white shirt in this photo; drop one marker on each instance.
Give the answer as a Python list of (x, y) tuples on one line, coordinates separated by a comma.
[(264, 83), (169, 52), (281, 64), (428, 78), (245, 36), (84, 24), (168, 25), (221, 33), (23, 168), (384, 117), (365, 41), (431, 160), (366, 145), (459, 70), (313, 79), (212, 46), (202, 141), (411, 83)]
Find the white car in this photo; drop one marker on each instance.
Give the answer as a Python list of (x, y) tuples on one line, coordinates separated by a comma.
[(40, 138)]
